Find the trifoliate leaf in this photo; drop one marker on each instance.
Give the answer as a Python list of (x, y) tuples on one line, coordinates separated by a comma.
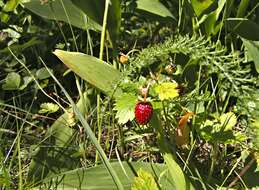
[(167, 90), (212, 130), (144, 181), (228, 120), (125, 106), (48, 108)]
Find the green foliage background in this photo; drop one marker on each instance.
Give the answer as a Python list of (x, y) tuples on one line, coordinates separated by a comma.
[(67, 99)]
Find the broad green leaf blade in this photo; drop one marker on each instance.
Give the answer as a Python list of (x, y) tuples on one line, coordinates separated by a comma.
[(144, 181), (243, 27), (56, 11), (53, 155), (200, 6), (210, 23), (95, 11), (86, 178), (252, 51), (180, 181), (228, 120), (154, 7), (242, 8), (93, 70)]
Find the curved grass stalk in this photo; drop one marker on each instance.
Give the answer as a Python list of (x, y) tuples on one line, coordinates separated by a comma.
[(74, 39), (90, 133), (81, 119), (70, 26)]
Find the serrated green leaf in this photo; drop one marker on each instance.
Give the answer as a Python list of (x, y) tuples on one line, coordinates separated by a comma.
[(125, 105), (206, 130), (167, 90), (222, 130), (48, 108), (228, 120), (128, 86), (12, 81), (144, 181)]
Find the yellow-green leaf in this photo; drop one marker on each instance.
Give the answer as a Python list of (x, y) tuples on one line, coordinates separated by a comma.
[(200, 6), (144, 181), (125, 105), (228, 120), (48, 108), (167, 90)]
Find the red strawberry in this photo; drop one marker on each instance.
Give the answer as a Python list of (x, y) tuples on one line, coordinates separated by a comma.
[(143, 112)]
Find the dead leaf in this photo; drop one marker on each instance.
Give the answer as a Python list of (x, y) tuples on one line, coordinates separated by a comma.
[(183, 131)]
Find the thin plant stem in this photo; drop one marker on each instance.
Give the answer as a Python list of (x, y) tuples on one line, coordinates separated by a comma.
[(227, 100), (196, 104), (213, 160), (59, 27), (244, 170), (189, 155), (70, 26), (101, 58), (231, 171), (104, 28), (74, 39)]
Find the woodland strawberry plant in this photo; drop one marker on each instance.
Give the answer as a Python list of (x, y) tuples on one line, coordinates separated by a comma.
[(137, 94)]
